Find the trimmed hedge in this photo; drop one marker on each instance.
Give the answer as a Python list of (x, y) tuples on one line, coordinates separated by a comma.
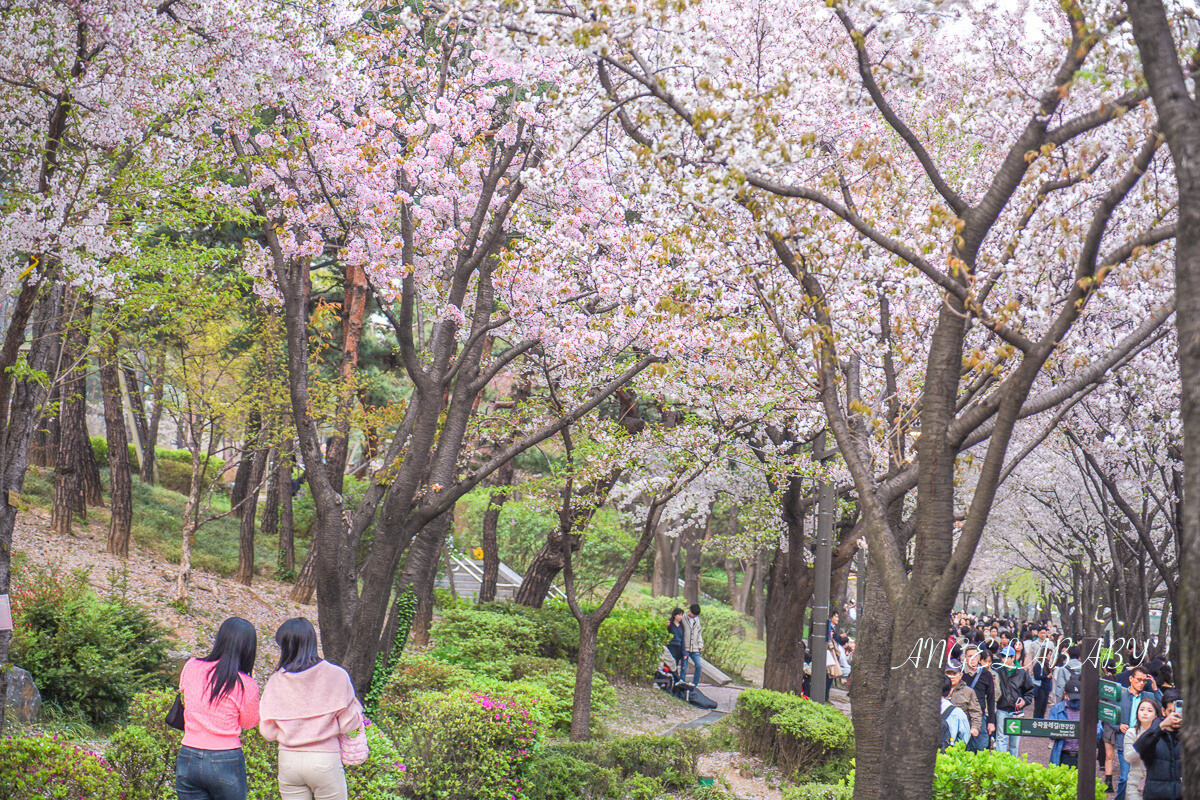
[(996, 775), (811, 740), (634, 766)]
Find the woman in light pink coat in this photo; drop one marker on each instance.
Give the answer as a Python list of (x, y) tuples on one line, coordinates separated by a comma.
[(305, 705)]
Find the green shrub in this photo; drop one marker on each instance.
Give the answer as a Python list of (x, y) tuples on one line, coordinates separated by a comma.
[(549, 695), (484, 642), (87, 654), (641, 787), (716, 588), (996, 775), (556, 630), (630, 644), (812, 740), (818, 791), (419, 672), (35, 767), (143, 752), (554, 775), (462, 746), (670, 759)]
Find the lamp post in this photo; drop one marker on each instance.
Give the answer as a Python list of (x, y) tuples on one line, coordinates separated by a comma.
[(823, 565)]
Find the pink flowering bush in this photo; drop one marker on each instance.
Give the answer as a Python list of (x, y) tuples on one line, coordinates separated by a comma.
[(467, 745), (46, 766)]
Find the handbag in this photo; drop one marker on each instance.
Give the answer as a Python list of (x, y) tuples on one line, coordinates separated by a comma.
[(354, 747), (174, 718), (832, 668)]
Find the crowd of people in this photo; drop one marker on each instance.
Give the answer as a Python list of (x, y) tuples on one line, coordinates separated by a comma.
[(996, 669)]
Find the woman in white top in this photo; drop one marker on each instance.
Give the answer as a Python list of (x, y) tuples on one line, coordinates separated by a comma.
[(1147, 712)]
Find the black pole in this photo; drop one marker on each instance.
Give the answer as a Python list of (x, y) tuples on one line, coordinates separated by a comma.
[(1089, 711)]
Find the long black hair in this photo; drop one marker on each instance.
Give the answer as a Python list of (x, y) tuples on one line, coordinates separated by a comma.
[(234, 651), (297, 640)]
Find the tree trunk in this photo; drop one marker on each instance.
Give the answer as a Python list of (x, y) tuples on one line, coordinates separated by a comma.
[(868, 691), (665, 582), (191, 511), (306, 581), (68, 488), (20, 410), (790, 589), (120, 475), (691, 566), (149, 469), (420, 572), (245, 471), (145, 428), (759, 593), (89, 469), (585, 669), (287, 520), (1179, 118), (245, 570), (543, 570), (489, 545)]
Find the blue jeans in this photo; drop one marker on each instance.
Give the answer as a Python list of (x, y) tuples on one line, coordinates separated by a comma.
[(1124, 765), (210, 774), (1010, 743), (695, 659)]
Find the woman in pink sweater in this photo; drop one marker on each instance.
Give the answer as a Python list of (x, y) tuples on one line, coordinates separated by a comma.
[(306, 704), (220, 700)]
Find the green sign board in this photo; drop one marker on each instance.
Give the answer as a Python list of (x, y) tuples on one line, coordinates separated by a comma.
[(1110, 713), (1053, 728), (1110, 691)]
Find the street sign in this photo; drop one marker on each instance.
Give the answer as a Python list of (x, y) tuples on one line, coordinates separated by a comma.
[(1110, 691), (1053, 728), (1110, 713)]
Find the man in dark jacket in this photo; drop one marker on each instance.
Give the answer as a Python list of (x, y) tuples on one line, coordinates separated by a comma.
[(1014, 693), (1162, 753), (981, 681)]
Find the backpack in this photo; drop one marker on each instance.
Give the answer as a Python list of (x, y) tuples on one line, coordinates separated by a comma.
[(947, 738)]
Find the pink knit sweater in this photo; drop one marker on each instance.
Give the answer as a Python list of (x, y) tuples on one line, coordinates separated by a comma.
[(307, 710), (219, 725)]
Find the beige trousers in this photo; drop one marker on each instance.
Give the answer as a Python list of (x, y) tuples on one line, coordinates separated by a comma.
[(307, 775)]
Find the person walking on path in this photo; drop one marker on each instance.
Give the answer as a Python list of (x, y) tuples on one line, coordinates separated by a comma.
[(1162, 753), (964, 697), (957, 725), (306, 704), (1147, 712), (1137, 690), (1072, 669), (1014, 694), (983, 683), (675, 646), (693, 641), (1066, 751), (220, 700)]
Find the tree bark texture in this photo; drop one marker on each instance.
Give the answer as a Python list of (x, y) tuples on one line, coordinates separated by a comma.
[(489, 544), (1179, 119), (20, 409), (243, 477), (68, 487), (245, 570), (665, 582), (120, 475)]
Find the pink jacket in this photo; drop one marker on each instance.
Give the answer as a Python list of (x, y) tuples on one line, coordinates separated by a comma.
[(219, 725), (307, 710)]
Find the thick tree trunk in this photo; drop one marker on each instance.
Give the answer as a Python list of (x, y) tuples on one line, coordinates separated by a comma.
[(790, 589), (306, 580), (245, 570), (585, 669), (489, 544), (20, 409), (120, 475), (665, 582), (89, 470), (420, 572), (244, 475), (543, 570), (1179, 118), (868, 691), (759, 593), (68, 488)]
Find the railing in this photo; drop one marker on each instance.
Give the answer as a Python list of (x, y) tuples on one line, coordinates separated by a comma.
[(475, 572)]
